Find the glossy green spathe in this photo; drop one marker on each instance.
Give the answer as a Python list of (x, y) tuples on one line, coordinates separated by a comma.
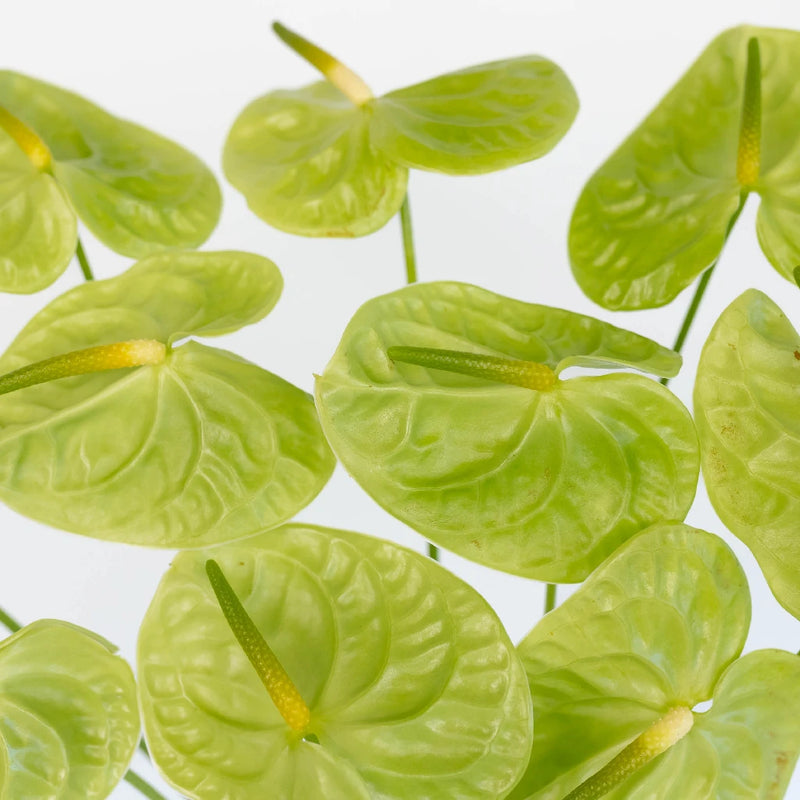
[(544, 484), (136, 191), (69, 721), (660, 626), (657, 212), (413, 687), (746, 401), (328, 161), (304, 162), (202, 448)]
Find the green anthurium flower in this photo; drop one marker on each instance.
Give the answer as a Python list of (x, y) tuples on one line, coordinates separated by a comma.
[(657, 213), (617, 670), (192, 446), (69, 720), (331, 160), (445, 402), (60, 154), (746, 399), (348, 668)]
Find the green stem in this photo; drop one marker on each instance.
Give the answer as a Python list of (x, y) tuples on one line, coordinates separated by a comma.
[(408, 241), (9, 622), (411, 277), (138, 782), (84, 262), (691, 312), (550, 598)]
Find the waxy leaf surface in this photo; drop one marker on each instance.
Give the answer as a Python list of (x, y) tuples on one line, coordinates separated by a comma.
[(746, 400), (314, 163), (203, 448), (656, 213), (658, 626), (544, 484), (479, 119), (413, 686), (305, 163), (69, 721), (135, 190), (38, 231)]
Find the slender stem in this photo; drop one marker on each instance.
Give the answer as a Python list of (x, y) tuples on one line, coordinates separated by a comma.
[(408, 241), (411, 277), (550, 597), (84, 262), (9, 622), (691, 312), (143, 747), (138, 782)]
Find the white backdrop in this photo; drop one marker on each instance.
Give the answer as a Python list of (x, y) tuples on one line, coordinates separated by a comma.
[(185, 69)]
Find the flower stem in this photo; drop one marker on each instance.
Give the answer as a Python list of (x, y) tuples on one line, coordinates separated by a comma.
[(9, 622), (691, 312), (138, 782), (408, 241), (411, 277), (84, 262), (550, 597)]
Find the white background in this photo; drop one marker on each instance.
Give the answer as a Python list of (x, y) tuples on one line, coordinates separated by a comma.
[(186, 69)]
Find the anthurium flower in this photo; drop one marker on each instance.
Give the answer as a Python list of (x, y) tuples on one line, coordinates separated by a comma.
[(69, 719), (315, 663), (62, 156), (112, 427), (332, 160), (657, 213), (449, 405), (617, 672), (746, 401)]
